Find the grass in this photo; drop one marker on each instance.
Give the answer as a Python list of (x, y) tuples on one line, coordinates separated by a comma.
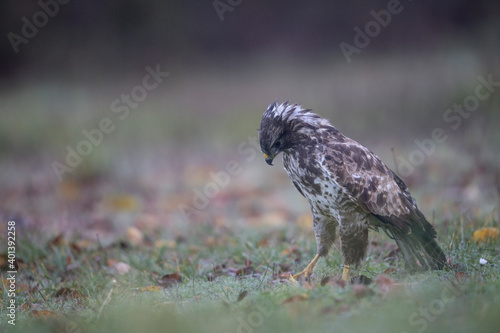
[(237, 284), (226, 270)]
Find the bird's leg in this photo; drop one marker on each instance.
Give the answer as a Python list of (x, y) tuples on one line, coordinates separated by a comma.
[(345, 273), (354, 241), (307, 271)]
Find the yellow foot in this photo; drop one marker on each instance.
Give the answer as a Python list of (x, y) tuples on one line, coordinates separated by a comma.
[(345, 273), (307, 271)]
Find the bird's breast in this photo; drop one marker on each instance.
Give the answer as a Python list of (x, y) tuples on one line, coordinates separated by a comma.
[(316, 184)]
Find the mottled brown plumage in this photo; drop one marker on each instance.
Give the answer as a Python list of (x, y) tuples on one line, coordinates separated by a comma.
[(346, 185)]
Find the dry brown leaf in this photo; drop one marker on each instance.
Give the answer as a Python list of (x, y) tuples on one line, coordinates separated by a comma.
[(134, 236), (384, 283), (324, 281), (390, 270), (68, 190), (296, 298), (66, 293), (194, 249), (291, 250), (59, 240), (82, 245), (147, 222), (151, 288), (168, 280), (168, 243), (461, 275), (121, 203), (263, 242), (392, 255), (485, 235), (44, 314), (210, 241), (341, 283)]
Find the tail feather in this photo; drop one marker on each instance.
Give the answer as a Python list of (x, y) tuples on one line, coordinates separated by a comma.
[(418, 244), (421, 244)]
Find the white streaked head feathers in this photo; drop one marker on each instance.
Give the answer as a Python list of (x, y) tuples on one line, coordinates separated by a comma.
[(287, 112)]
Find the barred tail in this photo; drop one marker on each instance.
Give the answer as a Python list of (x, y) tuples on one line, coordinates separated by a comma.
[(420, 244), (417, 242)]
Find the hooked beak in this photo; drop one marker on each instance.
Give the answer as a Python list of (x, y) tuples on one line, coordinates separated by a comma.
[(269, 159)]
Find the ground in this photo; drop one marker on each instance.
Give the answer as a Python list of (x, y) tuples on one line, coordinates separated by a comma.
[(175, 223)]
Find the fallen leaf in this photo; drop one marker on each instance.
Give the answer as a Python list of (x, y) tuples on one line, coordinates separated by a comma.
[(242, 271), (169, 244), (485, 235), (461, 275), (81, 245), (68, 190), (324, 281), (263, 242), (291, 250), (121, 203), (147, 222), (392, 255), (341, 283), (134, 236), (210, 241), (66, 293), (242, 295), (168, 280), (194, 249), (59, 240), (296, 298), (44, 314), (390, 270), (151, 288), (384, 283)]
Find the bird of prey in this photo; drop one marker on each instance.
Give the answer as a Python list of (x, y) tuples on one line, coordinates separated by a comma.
[(346, 185)]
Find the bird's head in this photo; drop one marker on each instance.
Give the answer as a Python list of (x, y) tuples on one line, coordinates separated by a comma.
[(277, 128)]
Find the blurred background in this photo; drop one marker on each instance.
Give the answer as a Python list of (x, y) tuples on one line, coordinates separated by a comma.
[(95, 134)]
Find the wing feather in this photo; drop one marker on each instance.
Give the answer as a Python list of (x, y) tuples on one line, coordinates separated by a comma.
[(371, 184)]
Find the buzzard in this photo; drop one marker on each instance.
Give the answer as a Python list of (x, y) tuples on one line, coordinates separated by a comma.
[(346, 185)]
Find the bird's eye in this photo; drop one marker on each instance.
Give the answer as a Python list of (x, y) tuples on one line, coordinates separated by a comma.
[(276, 144)]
